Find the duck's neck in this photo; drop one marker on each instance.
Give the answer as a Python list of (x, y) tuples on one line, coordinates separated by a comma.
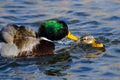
[(43, 38)]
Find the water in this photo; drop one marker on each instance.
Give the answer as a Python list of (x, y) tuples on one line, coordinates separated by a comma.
[(101, 18)]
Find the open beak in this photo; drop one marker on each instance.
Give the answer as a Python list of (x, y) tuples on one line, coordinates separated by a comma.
[(72, 37), (97, 44)]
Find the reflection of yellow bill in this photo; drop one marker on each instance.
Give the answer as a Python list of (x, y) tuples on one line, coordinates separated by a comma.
[(90, 55), (97, 44), (72, 37)]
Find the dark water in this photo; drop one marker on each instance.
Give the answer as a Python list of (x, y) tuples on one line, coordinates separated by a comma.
[(101, 18)]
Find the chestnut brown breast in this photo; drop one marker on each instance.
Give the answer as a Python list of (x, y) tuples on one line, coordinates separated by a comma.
[(43, 48)]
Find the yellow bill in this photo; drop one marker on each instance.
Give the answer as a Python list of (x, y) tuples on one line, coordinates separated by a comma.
[(97, 44), (72, 37)]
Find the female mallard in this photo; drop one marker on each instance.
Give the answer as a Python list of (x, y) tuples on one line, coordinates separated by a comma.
[(89, 39), (20, 41)]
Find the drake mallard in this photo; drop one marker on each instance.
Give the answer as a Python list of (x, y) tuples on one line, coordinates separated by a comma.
[(21, 41)]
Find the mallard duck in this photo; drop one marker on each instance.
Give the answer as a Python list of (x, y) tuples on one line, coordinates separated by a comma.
[(21, 41), (91, 46), (89, 39)]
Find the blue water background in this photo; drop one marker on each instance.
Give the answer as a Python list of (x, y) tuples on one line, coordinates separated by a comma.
[(100, 18)]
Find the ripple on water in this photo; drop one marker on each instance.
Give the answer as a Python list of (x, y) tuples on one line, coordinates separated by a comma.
[(113, 18), (91, 22), (35, 16), (13, 6), (82, 14), (11, 18), (77, 5), (11, 79), (115, 41), (82, 70)]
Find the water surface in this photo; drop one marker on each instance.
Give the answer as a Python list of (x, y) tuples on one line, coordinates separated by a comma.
[(100, 18)]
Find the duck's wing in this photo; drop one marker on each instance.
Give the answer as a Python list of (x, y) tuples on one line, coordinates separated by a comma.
[(26, 31), (7, 33), (13, 33)]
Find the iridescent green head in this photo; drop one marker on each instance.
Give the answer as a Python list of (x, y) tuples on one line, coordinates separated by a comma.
[(53, 29)]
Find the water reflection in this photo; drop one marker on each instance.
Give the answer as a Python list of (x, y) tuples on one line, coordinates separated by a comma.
[(49, 65)]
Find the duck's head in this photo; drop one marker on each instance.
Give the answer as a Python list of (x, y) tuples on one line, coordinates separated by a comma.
[(55, 30), (88, 39)]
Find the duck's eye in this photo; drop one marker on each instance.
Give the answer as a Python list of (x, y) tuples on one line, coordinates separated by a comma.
[(84, 39)]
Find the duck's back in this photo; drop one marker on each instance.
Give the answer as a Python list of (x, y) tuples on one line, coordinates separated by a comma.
[(11, 33)]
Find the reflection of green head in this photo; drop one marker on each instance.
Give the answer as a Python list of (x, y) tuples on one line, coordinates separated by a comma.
[(53, 29)]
